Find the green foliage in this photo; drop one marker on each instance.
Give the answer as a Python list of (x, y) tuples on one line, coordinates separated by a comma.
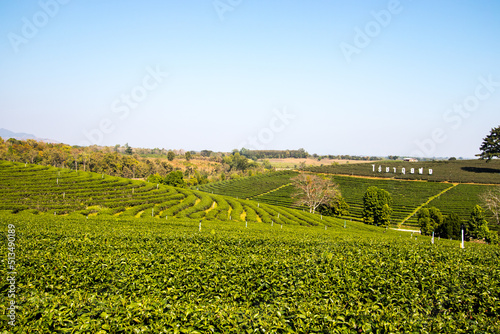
[(477, 225), (238, 162), (170, 155), (337, 208), (124, 275), (188, 156), (429, 219), (128, 149), (174, 179), (377, 207), (490, 148), (450, 228), (155, 178)]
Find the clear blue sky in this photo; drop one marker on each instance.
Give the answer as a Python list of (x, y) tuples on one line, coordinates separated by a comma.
[(333, 77)]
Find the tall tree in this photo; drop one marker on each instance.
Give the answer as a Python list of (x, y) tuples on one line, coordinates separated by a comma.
[(314, 191), (491, 145), (128, 149), (477, 222), (377, 207)]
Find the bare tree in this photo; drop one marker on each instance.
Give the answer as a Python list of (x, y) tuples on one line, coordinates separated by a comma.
[(313, 191), (491, 200)]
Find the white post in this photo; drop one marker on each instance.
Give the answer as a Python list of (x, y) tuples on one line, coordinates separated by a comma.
[(281, 226), (272, 223), (199, 228), (246, 224), (344, 223), (153, 212), (463, 244), (432, 240)]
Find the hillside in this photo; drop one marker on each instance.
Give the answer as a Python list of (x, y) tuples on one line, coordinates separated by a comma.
[(62, 191), (408, 195), (101, 254), (458, 171)]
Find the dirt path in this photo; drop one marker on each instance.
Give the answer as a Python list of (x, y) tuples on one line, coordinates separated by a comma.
[(427, 202)]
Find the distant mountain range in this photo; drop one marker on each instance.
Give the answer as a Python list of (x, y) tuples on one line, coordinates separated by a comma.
[(6, 134)]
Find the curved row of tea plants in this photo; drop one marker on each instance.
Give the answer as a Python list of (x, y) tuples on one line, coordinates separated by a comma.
[(62, 191), (407, 195), (249, 187)]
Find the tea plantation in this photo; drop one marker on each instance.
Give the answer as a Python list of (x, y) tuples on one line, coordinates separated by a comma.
[(62, 191), (100, 254), (458, 171), (106, 274), (408, 195)]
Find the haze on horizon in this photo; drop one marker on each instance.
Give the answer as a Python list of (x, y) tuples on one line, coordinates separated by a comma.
[(335, 77)]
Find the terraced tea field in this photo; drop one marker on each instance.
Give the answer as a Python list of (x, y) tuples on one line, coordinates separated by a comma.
[(60, 191), (100, 254), (407, 195), (459, 171), (249, 187)]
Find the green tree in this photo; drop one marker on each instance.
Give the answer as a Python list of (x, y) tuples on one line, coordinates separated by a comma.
[(429, 219), (338, 207), (477, 225), (424, 221), (170, 155), (377, 207), (128, 149), (155, 178), (490, 147), (175, 178), (187, 155), (450, 227)]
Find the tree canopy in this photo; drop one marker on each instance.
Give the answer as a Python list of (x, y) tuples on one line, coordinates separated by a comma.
[(490, 147), (314, 191), (377, 207)]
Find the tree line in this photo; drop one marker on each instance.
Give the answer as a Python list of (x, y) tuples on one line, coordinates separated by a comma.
[(128, 162)]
